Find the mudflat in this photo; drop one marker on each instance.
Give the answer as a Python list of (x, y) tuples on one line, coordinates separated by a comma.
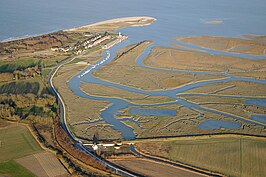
[(255, 45)]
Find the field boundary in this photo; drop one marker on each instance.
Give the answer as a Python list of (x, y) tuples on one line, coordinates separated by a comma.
[(139, 153), (197, 136), (177, 164)]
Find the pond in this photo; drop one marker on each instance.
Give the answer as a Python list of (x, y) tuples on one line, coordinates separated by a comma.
[(212, 124), (151, 112), (260, 118)]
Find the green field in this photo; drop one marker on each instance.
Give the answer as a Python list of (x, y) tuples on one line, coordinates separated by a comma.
[(13, 169), (243, 157), (16, 142)]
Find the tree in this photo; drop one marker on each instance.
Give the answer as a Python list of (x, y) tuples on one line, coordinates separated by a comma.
[(95, 138)]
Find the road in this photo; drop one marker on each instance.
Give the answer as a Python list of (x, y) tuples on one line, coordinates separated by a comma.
[(78, 144)]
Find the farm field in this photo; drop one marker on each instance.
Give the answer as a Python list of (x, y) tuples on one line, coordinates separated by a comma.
[(21, 155), (16, 142), (14, 169), (152, 169), (43, 164), (233, 156)]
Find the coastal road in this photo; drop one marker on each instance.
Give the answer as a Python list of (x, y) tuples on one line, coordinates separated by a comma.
[(78, 144)]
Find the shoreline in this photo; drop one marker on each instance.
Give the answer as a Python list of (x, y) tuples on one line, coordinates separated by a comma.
[(117, 20), (11, 39), (111, 21)]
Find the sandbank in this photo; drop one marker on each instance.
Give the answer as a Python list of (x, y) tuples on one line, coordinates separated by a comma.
[(128, 21), (214, 22)]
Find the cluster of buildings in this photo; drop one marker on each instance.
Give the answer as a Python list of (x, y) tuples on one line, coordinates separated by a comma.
[(118, 39), (92, 41), (106, 145), (89, 43)]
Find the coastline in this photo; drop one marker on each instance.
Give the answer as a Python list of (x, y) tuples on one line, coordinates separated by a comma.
[(11, 39), (131, 21)]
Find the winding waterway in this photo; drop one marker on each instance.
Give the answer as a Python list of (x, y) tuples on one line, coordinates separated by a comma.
[(174, 18), (109, 114)]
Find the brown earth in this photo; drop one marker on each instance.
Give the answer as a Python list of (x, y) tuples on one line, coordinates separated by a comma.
[(152, 168), (43, 164)]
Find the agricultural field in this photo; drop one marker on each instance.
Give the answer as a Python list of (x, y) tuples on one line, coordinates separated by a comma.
[(152, 168), (16, 142), (21, 155), (13, 169), (43, 164), (233, 156)]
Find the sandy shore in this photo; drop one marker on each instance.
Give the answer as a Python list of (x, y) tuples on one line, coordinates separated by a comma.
[(129, 21)]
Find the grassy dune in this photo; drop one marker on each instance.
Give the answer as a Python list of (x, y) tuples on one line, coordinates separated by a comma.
[(244, 157)]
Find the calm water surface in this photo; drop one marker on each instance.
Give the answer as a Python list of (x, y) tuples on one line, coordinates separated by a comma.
[(217, 124), (152, 112), (175, 17)]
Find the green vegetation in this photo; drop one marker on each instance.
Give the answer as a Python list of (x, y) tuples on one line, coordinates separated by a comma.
[(53, 61), (14, 169), (28, 107), (20, 88), (46, 72), (244, 157), (16, 142), (17, 65), (77, 60)]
